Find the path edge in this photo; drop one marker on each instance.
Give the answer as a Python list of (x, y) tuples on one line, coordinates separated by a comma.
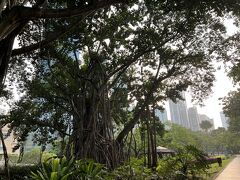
[(215, 177)]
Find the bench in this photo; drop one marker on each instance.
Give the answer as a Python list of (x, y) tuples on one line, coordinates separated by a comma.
[(212, 160)]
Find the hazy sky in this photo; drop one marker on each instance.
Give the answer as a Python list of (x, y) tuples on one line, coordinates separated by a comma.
[(212, 106), (221, 87)]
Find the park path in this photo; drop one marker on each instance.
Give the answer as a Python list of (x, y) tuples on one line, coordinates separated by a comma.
[(232, 171)]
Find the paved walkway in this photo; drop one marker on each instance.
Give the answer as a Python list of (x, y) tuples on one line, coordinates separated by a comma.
[(232, 171)]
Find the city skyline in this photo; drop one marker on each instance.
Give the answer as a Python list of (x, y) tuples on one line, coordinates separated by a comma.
[(183, 115)]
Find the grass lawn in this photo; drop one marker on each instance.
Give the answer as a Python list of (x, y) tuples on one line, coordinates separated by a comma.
[(215, 169)]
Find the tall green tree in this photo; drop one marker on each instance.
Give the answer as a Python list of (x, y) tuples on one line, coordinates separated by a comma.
[(218, 142), (231, 109), (152, 50), (206, 125), (178, 136), (19, 14)]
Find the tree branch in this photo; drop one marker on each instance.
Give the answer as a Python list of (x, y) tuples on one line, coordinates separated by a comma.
[(17, 14), (43, 43), (139, 109)]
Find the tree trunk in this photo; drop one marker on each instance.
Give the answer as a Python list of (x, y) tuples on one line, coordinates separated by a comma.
[(143, 141), (149, 146), (5, 154), (6, 46), (92, 136), (21, 153), (154, 145)]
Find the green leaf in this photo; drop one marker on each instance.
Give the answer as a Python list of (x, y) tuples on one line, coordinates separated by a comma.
[(54, 176), (55, 164)]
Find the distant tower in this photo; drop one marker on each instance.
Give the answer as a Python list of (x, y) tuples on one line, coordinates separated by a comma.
[(224, 120), (193, 119), (178, 112), (162, 115)]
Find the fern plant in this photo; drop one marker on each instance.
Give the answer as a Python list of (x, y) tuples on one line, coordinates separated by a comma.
[(61, 169), (54, 169), (87, 169)]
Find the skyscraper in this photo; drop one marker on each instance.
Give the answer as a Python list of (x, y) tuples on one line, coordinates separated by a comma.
[(178, 112), (193, 119), (161, 114), (224, 120)]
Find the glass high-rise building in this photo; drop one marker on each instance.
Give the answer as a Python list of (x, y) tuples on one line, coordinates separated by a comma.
[(193, 119), (224, 120), (178, 112), (162, 115)]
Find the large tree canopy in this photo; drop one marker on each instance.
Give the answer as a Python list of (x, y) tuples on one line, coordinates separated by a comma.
[(206, 125), (112, 67), (19, 14), (231, 104), (131, 59)]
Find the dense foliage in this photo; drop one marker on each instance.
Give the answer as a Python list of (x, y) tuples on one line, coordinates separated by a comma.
[(188, 163), (231, 109), (206, 125), (62, 169), (128, 66), (92, 72), (218, 141)]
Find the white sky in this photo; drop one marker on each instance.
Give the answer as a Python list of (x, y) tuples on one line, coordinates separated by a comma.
[(213, 106), (222, 86)]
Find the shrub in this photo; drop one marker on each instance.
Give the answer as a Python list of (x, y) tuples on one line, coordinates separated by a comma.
[(62, 169), (87, 169), (13, 158), (19, 172), (188, 162), (48, 155), (32, 157), (54, 169), (134, 170)]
